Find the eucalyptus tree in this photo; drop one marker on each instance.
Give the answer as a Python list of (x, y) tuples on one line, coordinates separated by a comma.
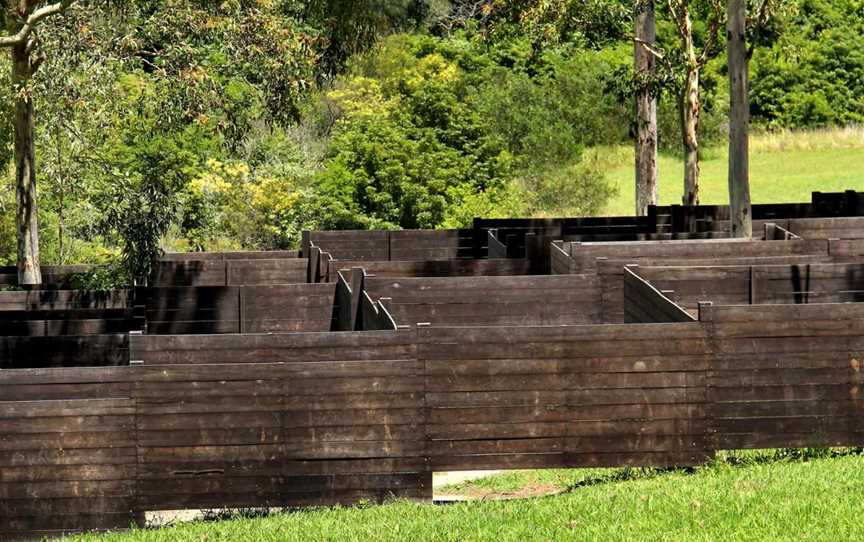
[(692, 60), (748, 26), (645, 35), (21, 20), (739, 118)]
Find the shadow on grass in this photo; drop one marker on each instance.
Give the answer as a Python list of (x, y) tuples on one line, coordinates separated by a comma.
[(733, 459), (726, 459), (226, 514)]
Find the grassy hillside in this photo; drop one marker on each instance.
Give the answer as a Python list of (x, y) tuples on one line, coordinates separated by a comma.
[(763, 497), (785, 167)]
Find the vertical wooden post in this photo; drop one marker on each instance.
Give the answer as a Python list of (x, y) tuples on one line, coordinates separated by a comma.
[(646, 108), (753, 290), (313, 272), (357, 274), (305, 242), (652, 219), (704, 310), (478, 237), (241, 309), (421, 339), (512, 247), (739, 118), (538, 259)]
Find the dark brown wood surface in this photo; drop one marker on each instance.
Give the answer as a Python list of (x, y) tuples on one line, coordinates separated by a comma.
[(230, 272), (64, 351), (525, 300), (645, 304), (438, 268), (515, 372), (220, 309), (323, 418)]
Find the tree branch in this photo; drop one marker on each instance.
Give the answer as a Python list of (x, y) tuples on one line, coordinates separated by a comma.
[(658, 54), (30, 23), (716, 21)]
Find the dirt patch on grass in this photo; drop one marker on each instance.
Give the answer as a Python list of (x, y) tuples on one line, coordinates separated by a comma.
[(489, 494)]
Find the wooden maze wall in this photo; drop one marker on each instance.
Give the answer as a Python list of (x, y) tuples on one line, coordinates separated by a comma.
[(238, 394), (320, 418)]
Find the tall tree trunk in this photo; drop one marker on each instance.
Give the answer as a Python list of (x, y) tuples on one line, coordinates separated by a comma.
[(690, 109), (739, 118), (61, 196), (29, 272), (646, 110)]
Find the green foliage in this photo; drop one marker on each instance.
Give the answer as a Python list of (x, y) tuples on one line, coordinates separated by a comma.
[(196, 125), (430, 128), (101, 278), (141, 203), (814, 74)]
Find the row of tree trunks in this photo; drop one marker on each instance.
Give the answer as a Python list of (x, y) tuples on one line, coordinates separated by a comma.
[(689, 108)]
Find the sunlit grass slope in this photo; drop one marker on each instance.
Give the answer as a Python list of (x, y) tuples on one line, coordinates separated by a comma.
[(762, 499), (784, 167)]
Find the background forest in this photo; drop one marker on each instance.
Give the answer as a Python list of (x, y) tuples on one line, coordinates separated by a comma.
[(238, 124)]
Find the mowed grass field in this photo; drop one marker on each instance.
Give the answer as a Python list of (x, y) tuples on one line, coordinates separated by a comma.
[(784, 167), (761, 497)]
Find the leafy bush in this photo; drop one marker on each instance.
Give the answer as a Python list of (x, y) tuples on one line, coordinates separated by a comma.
[(814, 74), (429, 130)]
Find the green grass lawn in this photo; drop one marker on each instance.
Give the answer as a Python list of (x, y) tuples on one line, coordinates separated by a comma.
[(783, 168), (765, 497)]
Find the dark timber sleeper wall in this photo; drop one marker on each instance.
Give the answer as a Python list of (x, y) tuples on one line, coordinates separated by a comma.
[(437, 268), (230, 272), (758, 284), (322, 418), (236, 309), (786, 375), (645, 304), (525, 300)]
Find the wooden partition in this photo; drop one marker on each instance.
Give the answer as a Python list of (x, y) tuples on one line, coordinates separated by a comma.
[(645, 304), (192, 268), (238, 309), (811, 283), (786, 375), (828, 228), (235, 255), (67, 451), (64, 351), (437, 268), (847, 250), (608, 260), (538, 397), (795, 283), (526, 300), (324, 418), (41, 300), (230, 271), (212, 421), (33, 323), (386, 245), (587, 255), (688, 286), (429, 244), (279, 420), (67, 312)]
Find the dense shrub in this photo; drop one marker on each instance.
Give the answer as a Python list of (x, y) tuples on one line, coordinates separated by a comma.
[(814, 74)]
